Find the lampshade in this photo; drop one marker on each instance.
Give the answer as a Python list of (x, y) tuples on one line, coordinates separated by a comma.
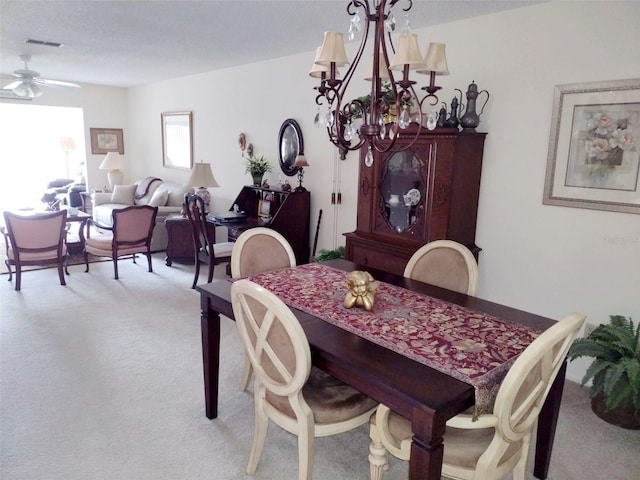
[(332, 50), (317, 70), (202, 176), (112, 161), (67, 144), (301, 161), (382, 69), (435, 60), (408, 53)]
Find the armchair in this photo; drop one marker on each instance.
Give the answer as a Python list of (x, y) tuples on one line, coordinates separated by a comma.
[(35, 240), (130, 234)]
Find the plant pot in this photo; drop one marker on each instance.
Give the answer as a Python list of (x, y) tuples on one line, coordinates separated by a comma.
[(257, 178), (623, 416)]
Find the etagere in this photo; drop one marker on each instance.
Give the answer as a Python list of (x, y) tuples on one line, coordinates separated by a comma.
[(411, 197)]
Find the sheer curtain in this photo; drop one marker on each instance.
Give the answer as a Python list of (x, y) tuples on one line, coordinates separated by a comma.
[(32, 152)]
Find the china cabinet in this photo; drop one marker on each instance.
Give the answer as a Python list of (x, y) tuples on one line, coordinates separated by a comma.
[(411, 197)]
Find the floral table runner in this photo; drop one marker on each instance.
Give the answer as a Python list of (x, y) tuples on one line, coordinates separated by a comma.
[(471, 346)]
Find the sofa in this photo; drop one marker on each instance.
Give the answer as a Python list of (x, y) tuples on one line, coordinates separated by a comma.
[(168, 197), (63, 190)]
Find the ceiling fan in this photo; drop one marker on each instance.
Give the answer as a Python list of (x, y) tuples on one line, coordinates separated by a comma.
[(29, 81)]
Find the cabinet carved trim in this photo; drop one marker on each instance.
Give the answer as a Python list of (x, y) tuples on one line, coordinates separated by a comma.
[(426, 192)]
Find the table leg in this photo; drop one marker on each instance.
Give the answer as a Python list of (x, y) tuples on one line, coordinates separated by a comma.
[(547, 422), (426, 449), (210, 328)]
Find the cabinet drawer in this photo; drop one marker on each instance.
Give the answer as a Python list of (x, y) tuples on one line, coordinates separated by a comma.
[(381, 256)]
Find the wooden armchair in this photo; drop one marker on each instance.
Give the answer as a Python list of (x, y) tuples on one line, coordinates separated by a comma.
[(130, 234), (35, 240)]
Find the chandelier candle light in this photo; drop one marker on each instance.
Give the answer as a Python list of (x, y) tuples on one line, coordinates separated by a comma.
[(113, 162), (202, 177), (354, 123)]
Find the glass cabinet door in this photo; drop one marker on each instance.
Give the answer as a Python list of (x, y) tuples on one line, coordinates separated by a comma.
[(402, 189)]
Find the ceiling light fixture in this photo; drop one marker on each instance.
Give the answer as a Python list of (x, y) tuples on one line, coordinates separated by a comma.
[(361, 121)]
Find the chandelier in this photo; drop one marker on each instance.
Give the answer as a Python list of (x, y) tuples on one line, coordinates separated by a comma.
[(354, 122)]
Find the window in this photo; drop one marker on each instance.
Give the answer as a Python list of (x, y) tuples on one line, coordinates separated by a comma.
[(38, 144)]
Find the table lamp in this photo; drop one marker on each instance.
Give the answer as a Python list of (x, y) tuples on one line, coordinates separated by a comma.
[(301, 161), (202, 177), (113, 162)]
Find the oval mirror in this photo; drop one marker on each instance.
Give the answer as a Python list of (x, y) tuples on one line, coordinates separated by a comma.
[(289, 146)]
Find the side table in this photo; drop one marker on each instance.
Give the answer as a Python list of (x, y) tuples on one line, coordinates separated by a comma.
[(180, 241), (75, 240)]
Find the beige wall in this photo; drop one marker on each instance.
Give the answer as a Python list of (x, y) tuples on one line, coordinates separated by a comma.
[(546, 259)]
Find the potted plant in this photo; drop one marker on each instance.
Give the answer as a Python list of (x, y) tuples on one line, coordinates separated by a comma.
[(615, 370), (257, 167)]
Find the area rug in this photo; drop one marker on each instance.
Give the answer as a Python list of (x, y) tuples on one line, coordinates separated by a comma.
[(74, 259)]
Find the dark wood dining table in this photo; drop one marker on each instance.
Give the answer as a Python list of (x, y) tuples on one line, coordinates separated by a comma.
[(423, 394)]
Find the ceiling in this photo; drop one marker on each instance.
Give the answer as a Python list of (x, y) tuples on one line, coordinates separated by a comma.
[(124, 43)]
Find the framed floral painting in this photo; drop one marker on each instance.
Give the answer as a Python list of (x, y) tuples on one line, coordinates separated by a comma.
[(594, 147)]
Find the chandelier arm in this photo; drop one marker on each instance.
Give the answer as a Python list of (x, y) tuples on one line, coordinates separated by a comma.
[(335, 96)]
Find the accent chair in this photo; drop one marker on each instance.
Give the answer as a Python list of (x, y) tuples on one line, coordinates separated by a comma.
[(35, 240), (130, 234)]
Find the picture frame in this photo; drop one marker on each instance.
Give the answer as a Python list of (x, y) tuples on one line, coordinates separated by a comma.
[(593, 159), (105, 140), (264, 208), (177, 140)]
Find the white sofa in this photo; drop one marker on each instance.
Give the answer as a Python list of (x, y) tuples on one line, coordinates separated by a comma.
[(168, 197)]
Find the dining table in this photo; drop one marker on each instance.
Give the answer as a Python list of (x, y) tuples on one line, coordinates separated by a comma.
[(424, 376)]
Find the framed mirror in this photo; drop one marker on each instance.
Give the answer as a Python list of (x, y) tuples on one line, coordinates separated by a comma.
[(290, 145), (177, 140)]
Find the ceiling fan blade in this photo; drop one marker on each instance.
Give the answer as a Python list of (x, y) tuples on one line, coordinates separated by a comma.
[(56, 83), (12, 85)]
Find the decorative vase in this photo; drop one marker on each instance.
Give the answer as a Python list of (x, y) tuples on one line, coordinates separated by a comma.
[(623, 416), (470, 120), (257, 179)]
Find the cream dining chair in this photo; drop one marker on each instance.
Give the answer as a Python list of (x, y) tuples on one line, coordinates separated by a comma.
[(259, 250), (35, 240), (446, 264), (495, 444), (297, 397)]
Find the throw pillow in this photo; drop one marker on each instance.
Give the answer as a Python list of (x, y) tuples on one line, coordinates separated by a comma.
[(159, 199), (123, 194)]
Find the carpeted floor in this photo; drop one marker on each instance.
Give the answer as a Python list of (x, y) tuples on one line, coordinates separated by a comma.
[(102, 379)]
